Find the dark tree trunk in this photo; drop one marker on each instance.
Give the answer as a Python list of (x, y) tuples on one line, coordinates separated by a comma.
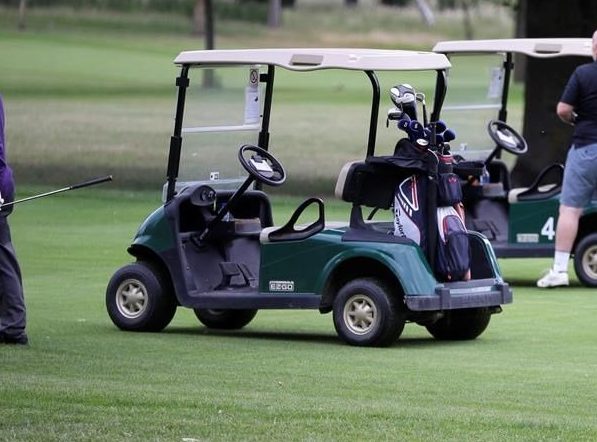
[(520, 61), (199, 17), (547, 136), (22, 12), (209, 25), (467, 20), (209, 80), (274, 13)]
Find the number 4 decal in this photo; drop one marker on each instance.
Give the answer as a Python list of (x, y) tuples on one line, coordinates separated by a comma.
[(548, 228)]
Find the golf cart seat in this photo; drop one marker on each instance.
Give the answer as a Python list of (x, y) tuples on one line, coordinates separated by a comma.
[(367, 184), (370, 183), (248, 216), (540, 190)]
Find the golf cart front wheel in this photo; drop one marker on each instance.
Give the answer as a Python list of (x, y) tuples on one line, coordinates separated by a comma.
[(585, 260), (460, 325), (225, 319), (138, 299), (366, 314)]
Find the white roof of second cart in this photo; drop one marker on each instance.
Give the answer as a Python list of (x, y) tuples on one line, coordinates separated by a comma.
[(307, 59), (534, 47)]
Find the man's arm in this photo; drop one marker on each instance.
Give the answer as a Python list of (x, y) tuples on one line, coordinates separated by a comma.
[(566, 113)]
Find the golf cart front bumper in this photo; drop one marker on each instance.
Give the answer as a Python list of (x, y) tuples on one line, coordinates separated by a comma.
[(462, 294)]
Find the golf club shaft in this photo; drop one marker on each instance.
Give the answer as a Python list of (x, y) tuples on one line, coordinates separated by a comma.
[(64, 189)]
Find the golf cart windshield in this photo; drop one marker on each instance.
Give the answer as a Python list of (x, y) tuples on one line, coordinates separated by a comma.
[(473, 99), (219, 117), (225, 98), (480, 84)]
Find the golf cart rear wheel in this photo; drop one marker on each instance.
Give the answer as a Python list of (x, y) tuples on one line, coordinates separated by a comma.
[(585, 260), (225, 319), (138, 298), (460, 325), (366, 314)]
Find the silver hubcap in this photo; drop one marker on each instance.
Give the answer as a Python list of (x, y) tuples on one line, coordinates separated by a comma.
[(131, 298), (589, 262), (360, 314)]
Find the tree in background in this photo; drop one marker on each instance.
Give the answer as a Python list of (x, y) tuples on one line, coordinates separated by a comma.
[(22, 11), (274, 13), (203, 24), (547, 136)]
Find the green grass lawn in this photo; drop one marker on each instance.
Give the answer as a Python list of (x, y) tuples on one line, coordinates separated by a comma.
[(530, 376)]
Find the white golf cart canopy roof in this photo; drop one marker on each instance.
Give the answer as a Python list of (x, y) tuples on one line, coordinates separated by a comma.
[(533, 47), (308, 59)]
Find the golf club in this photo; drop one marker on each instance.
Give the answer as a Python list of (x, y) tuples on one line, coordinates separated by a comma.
[(88, 183), (420, 97)]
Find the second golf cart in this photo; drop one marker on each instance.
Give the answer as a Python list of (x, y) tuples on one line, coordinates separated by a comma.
[(519, 222), (212, 246)]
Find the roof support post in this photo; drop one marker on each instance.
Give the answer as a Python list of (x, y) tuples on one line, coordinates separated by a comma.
[(176, 140), (374, 113)]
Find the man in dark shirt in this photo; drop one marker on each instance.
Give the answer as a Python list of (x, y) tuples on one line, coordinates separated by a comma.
[(12, 304), (577, 107)]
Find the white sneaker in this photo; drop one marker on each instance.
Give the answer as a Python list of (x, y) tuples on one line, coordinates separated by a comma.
[(553, 279)]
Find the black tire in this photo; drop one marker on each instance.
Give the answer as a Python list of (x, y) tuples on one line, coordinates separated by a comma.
[(460, 325), (366, 314), (138, 298), (585, 260), (225, 319)]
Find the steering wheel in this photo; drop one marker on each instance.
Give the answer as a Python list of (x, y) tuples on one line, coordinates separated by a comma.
[(506, 138), (261, 165)]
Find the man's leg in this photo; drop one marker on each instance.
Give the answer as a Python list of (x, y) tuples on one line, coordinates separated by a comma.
[(565, 235), (580, 181), (12, 303)]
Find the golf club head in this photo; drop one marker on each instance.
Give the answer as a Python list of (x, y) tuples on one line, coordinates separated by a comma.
[(394, 114), (404, 123), (440, 126), (404, 97), (416, 130), (421, 143), (449, 135)]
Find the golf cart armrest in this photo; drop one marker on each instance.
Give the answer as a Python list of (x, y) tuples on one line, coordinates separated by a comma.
[(290, 231), (539, 190)]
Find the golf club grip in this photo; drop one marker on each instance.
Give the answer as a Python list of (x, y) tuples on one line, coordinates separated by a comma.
[(92, 182)]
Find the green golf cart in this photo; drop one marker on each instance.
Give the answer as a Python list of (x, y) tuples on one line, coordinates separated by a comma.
[(213, 246), (519, 222)]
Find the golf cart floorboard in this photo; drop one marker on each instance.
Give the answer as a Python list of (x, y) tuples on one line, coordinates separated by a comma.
[(505, 250), (249, 298)]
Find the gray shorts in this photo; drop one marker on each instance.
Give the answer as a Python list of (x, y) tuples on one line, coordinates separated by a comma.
[(580, 176)]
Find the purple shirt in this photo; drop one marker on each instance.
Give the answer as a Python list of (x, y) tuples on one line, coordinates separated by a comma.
[(7, 185)]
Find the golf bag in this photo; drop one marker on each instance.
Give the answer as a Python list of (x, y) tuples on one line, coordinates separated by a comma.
[(410, 209), (453, 255), (428, 210), (411, 194)]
